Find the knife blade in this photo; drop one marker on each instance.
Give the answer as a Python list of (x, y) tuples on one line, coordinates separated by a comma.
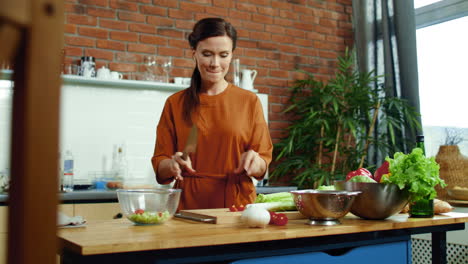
[(191, 144), (196, 217)]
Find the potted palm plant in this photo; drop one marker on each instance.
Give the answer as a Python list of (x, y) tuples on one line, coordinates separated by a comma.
[(334, 123)]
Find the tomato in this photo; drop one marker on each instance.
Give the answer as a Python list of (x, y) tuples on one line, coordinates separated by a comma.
[(281, 220), (139, 211), (273, 217), (233, 208)]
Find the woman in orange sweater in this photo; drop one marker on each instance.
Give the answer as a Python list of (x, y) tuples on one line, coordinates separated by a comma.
[(233, 142)]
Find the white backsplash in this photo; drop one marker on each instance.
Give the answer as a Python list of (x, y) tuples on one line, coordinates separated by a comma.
[(95, 119)]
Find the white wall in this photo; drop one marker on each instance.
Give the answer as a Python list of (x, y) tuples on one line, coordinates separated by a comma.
[(5, 123), (95, 118)]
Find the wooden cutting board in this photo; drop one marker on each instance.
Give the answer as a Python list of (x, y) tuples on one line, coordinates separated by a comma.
[(224, 216)]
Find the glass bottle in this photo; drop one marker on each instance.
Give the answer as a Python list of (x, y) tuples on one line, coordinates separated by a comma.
[(68, 163), (424, 207), (420, 143), (236, 72)]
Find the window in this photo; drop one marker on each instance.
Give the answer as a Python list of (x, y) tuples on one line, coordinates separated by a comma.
[(421, 3), (442, 65)]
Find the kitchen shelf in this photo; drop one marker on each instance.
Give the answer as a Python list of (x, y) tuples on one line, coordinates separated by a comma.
[(133, 84), (128, 84), (82, 81)]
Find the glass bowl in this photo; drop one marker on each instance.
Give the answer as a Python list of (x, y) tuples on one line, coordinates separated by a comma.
[(148, 206)]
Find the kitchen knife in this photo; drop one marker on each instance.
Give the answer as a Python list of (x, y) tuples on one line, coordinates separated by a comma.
[(191, 144), (196, 217)]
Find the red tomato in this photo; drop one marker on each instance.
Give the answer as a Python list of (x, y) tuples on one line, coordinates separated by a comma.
[(233, 208), (139, 211), (241, 207), (281, 220), (273, 217)]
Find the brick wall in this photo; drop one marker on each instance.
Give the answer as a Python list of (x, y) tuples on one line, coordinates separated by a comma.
[(274, 37)]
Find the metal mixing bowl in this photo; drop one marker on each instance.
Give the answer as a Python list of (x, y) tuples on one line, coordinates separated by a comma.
[(148, 206), (377, 200), (323, 207)]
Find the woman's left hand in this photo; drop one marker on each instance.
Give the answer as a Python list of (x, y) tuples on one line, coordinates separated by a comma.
[(252, 164)]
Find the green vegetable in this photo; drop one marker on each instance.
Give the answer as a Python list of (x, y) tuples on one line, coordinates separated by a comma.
[(274, 197), (327, 187), (275, 206), (361, 179), (282, 201), (415, 172), (150, 217)]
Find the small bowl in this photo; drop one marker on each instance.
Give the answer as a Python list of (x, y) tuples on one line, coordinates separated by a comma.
[(377, 200), (149, 206), (323, 207)]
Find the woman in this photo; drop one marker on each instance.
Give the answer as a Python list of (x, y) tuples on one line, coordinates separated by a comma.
[(233, 142)]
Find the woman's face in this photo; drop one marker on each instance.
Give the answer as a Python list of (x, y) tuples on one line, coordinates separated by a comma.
[(213, 57)]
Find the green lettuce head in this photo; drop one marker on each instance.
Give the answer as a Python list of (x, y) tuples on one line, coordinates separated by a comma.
[(415, 172)]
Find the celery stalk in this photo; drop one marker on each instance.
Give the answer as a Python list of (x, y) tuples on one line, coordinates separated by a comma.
[(276, 206), (282, 201), (274, 197)]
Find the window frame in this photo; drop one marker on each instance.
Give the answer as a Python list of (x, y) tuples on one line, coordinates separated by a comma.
[(440, 12)]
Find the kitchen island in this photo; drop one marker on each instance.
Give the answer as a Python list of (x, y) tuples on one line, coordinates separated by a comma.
[(185, 241)]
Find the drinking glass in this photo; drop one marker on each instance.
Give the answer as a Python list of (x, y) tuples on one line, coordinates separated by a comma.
[(166, 64), (423, 208), (150, 64), (71, 69)]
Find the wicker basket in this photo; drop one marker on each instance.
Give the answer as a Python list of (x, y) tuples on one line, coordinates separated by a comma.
[(453, 169)]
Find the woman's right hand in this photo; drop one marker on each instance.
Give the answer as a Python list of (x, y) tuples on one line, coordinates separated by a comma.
[(176, 165)]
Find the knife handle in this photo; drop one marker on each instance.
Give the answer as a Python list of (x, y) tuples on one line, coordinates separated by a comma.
[(185, 155)]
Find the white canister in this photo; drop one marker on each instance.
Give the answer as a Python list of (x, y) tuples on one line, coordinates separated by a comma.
[(103, 73), (116, 75)]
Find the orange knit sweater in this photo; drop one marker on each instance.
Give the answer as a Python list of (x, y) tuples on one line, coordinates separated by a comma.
[(229, 124)]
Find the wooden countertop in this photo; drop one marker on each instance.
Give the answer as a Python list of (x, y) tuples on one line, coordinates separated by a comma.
[(114, 236)]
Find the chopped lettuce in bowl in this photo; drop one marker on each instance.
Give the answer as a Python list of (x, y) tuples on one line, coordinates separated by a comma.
[(149, 218)]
